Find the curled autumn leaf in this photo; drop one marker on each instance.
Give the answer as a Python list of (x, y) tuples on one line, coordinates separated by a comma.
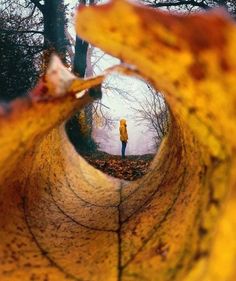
[(192, 60), (61, 219)]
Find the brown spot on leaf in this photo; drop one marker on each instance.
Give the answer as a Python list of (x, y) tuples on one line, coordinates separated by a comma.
[(224, 64), (198, 71)]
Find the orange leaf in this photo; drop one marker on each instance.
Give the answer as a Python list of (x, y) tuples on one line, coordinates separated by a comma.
[(62, 219)]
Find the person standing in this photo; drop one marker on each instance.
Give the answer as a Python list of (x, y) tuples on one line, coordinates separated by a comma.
[(123, 136)]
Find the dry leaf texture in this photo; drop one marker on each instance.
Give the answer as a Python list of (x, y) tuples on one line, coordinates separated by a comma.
[(60, 219)]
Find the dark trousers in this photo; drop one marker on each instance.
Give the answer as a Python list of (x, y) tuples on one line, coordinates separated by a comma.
[(124, 143)]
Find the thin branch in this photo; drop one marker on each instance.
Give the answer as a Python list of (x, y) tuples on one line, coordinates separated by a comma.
[(179, 3), (38, 5), (20, 31)]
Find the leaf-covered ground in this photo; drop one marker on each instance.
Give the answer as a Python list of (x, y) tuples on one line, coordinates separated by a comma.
[(130, 168)]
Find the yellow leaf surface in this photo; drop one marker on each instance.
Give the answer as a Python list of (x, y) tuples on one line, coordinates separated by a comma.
[(192, 60), (61, 219)]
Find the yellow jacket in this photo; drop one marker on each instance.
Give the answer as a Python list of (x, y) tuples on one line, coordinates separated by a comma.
[(123, 130)]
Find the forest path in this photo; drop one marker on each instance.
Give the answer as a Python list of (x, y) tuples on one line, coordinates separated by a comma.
[(130, 168)]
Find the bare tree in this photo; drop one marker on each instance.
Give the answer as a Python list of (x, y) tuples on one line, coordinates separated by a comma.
[(18, 69), (153, 111), (79, 127), (42, 22), (192, 5)]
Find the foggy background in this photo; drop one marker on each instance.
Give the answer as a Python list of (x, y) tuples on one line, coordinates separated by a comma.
[(120, 94)]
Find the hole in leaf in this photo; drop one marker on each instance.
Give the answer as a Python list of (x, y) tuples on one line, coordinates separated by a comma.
[(120, 133)]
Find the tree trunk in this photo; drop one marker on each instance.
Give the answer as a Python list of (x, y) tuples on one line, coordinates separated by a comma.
[(54, 28), (79, 127)]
